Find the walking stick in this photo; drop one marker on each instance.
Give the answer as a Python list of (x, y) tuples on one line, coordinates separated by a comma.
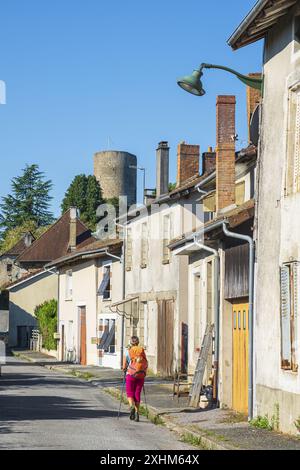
[(122, 394), (145, 400)]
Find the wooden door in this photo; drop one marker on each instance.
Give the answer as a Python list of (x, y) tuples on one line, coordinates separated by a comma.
[(240, 335), (83, 336), (165, 341)]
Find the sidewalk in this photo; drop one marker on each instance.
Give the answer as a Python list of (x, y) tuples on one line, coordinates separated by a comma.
[(215, 429)]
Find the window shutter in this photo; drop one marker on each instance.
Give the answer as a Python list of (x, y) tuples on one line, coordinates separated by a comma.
[(294, 317), (129, 249), (104, 283), (297, 146), (144, 249), (285, 317)]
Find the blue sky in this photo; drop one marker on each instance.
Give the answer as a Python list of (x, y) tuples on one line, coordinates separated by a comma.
[(88, 75)]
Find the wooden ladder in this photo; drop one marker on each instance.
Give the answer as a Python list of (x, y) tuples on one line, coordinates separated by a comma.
[(196, 387)]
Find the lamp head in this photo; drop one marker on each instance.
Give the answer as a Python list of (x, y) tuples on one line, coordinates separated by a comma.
[(192, 83)]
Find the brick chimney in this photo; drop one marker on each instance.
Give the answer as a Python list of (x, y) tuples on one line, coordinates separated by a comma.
[(162, 168), (225, 162), (253, 99), (187, 161), (208, 161), (73, 229)]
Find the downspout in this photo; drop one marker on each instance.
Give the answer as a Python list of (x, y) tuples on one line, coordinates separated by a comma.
[(249, 240), (122, 260), (216, 313)]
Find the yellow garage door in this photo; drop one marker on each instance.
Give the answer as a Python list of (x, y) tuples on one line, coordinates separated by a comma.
[(240, 324)]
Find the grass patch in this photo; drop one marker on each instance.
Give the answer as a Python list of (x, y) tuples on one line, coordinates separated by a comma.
[(81, 375), (193, 440), (262, 422)]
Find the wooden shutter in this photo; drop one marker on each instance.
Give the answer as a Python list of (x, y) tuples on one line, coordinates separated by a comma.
[(129, 249), (166, 238), (144, 247), (294, 316), (285, 294)]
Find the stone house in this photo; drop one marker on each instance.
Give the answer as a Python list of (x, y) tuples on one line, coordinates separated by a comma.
[(40, 284), (277, 229), (90, 281), (218, 264), (9, 270)]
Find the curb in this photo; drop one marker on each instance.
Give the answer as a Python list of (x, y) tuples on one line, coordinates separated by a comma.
[(154, 414)]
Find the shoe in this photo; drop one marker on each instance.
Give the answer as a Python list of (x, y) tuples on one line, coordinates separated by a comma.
[(137, 417), (132, 414)]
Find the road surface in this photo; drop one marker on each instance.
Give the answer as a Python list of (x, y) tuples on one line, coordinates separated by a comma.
[(42, 409)]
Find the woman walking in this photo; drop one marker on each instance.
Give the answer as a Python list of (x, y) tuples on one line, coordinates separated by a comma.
[(135, 365)]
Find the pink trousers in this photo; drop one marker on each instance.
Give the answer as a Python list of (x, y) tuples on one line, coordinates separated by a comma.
[(134, 388)]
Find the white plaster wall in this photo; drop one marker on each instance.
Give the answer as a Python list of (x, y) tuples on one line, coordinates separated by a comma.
[(278, 229)]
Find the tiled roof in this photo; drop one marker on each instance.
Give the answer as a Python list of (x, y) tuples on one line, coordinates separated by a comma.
[(17, 249), (94, 247), (54, 243)]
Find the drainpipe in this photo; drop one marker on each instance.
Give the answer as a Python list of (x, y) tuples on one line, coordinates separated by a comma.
[(216, 313), (122, 260), (249, 240)]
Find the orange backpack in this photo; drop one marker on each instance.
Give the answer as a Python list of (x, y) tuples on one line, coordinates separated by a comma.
[(138, 362)]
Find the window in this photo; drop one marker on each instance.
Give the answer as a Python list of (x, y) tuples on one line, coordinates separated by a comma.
[(293, 142), (144, 246), (105, 286), (107, 335), (128, 261), (289, 289), (69, 285)]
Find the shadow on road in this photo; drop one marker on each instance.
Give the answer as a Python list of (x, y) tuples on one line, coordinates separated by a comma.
[(30, 408)]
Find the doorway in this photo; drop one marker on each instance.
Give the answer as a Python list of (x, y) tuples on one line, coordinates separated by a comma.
[(165, 344), (82, 315), (240, 335)]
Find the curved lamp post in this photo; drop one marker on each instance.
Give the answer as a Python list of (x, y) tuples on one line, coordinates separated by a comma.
[(193, 84)]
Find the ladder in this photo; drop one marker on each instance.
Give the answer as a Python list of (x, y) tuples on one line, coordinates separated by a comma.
[(194, 396)]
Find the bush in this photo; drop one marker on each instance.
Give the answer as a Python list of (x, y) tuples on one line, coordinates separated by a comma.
[(46, 315)]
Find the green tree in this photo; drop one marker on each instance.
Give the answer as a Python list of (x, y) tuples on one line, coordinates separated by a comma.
[(29, 200), (13, 235), (84, 193), (46, 315)]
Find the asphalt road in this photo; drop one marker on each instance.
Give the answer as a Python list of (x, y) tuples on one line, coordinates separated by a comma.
[(42, 409)]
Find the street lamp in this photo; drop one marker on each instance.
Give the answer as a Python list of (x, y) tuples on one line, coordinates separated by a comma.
[(192, 83), (144, 176)]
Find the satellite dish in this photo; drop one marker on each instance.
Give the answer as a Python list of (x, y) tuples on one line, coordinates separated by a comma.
[(254, 126)]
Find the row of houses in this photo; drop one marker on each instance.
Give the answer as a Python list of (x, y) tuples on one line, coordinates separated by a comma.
[(221, 248)]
